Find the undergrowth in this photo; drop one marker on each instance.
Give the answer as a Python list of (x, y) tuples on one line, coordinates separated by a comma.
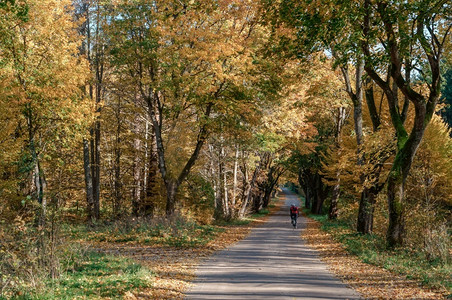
[(173, 233)]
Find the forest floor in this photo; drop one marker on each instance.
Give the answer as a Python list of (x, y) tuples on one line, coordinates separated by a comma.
[(173, 268)]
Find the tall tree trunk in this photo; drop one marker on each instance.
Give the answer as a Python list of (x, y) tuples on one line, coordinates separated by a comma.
[(305, 183), (147, 206), (227, 211), (368, 195), (320, 193), (117, 173), (137, 174), (139, 166), (172, 184), (223, 187), (41, 185), (340, 120), (38, 183), (395, 194), (308, 197), (171, 193), (248, 191), (95, 168), (234, 187), (333, 211), (219, 187), (88, 181)]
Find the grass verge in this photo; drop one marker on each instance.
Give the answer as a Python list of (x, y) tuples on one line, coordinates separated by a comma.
[(371, 249), (94, 276)]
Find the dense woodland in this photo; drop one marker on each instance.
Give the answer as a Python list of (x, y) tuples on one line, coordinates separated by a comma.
[(115, 110)]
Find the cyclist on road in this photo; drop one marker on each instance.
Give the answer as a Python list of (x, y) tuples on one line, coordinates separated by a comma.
[(294, 215)]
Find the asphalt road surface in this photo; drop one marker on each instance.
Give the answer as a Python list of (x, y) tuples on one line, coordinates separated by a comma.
[(273, 262)]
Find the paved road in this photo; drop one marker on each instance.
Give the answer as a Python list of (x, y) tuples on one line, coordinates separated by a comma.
[(273, 262)]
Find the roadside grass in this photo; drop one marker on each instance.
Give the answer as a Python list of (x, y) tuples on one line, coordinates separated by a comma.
[(372, 249), (93, 276)]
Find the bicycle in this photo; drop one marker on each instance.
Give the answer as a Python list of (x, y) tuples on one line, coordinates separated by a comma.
[(294, 221)]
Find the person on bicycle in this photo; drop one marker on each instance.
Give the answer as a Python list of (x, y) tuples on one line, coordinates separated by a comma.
[(293, 214)]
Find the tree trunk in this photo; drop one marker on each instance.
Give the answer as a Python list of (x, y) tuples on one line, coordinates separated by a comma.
[(95, 168), (320, 193), (340, 120), (257, 201), (332, 213), (308, 198), (366, 211), (227, 212), (38, 183), (222, 205), (147, 206), (396, 228), (117, 164), (267, 197), (137, 174), (88, 182), (171, 192), (41, 186), (248, 191), (407, 144), (304, 182), (234, 187)]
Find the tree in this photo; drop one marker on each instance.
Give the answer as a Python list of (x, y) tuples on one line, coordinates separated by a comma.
[(91, 12), (42, 76), (403, 27)]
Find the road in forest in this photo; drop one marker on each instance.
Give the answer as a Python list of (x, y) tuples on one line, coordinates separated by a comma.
[(273, 262)]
